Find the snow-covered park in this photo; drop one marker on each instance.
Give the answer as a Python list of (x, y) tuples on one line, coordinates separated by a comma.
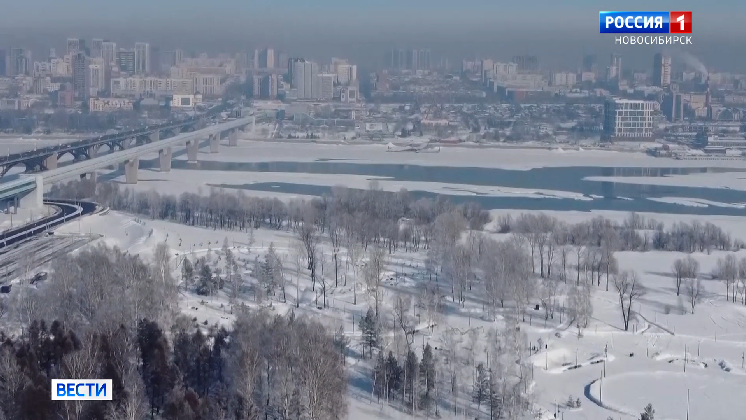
[(650, 310)]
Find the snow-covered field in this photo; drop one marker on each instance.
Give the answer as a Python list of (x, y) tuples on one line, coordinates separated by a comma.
[(644, 365)]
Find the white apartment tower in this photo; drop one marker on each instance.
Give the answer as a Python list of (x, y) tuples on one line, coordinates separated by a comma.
[(662, 70), (628, 120), (95, 80), (97, 47), (142, 58), (305, 79), (109, 53)]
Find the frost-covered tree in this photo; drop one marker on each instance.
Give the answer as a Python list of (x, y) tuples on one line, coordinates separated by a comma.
[(629, 291)]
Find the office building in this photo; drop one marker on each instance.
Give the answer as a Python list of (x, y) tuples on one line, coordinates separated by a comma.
[(628, 120), (207, 84), (305, 79), (75, 45), (291, 67), (526, 63), (52, 53), (563, 79), (264, 58), (267, 86), (150, 86), (326, 86), (109, 53), (80, 71), (662, 70), (97, 47), (142, 58), (19, 62), (282, 61), (673, 107), (95, 81), (126, 61), (109, 104), (346, 73), (423, 60)]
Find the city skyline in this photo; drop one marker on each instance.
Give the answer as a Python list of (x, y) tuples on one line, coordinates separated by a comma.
[(476, 29)]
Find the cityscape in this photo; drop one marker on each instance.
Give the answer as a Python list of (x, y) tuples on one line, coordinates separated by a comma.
[(371, 211)]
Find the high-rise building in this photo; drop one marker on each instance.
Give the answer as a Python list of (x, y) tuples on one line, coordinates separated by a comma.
[(19, 62), (662, 70), (264, 58), (423, 60), (265, 86), (346, 73), (52, 53), (109, 53), (97, 47), (126, 61), (173, 58), (282, 61), (80, 73), (3, 63), (95, 80), (291, 68), (305, 79), (673, 107), (75, 45), (142, 57), (590, 63), (614, 71), (627, 119), (526, 63), (155, 60), (326, 86)]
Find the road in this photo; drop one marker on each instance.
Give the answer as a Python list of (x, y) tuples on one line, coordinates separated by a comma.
[(27, 247), (69, 210)]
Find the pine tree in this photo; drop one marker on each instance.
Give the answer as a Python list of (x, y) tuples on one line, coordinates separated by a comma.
[(369, 330), (649, 413), (379, 376), (411, 366), (481, 386), (393, 374), (427, 377), (187, 273)]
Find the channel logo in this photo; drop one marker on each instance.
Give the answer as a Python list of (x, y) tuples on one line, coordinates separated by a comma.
[(81, 389), (645, 22)]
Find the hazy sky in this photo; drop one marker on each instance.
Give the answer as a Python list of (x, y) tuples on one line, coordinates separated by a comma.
[(559, 31)]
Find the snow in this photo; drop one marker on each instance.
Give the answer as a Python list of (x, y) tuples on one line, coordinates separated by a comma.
[(457, 156), (643, 365), (727, 180), (665, 329)]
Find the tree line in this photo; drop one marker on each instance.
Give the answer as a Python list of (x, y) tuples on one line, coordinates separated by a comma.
[(112, 315)]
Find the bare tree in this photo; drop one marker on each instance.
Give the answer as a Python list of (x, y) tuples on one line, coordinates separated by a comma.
[(373, 275), (629, 290), (679, 270), (693, 290), (727, 269)]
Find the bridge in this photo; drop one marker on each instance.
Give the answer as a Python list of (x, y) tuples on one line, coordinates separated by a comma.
[(28, 190)]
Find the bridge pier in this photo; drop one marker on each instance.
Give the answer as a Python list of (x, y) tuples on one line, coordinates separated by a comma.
[(233, 138), (130, 170), (192, 147), (215, 143), (165, 155), (35, 198), (51, 162)]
